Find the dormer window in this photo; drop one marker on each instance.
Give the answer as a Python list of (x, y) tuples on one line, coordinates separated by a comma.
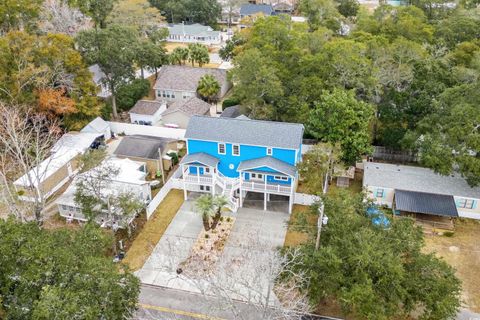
[(269, 151), (221, 148), (235, 150)]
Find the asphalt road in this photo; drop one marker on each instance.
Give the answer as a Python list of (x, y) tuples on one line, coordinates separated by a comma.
[(169, 304)]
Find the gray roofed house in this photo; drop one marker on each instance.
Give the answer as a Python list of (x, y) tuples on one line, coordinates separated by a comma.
[(179, 112), (192, 106), (416, 179), (147, 107), (385, 182), (181, 82), (250, 132), (249, 9), (268, 162), (193, 33), (147, 112), (143, 147)]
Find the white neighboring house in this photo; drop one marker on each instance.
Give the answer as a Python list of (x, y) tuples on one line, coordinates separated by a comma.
[(193, 33), (147, 112), (100, 126), (422, 188), (130, 179), (98, 75), (57, 169)]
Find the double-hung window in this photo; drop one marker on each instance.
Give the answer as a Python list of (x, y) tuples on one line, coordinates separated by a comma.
[(465, 203), (379, 193), (256, 176), (221, 148), (235, 150)]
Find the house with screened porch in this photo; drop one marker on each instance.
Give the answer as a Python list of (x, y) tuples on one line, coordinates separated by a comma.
[(232, 157)]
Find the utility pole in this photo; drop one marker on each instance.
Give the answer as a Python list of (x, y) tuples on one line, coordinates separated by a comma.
[(322, 219)]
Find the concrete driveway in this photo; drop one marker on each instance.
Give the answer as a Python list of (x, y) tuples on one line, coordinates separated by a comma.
[(243, 264)]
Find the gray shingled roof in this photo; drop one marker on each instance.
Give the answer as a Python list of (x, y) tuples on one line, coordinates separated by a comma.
[(147, 107), (416, 179), (269, 162), (145, 147), (231, 112), (251, 132), (251, 9), (185, 78), (427, 203), (191, 106), (200, 157)]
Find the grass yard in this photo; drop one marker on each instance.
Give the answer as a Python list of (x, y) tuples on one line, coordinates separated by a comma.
[(462, 251), (153, 230), (355, 185), (301, 225)]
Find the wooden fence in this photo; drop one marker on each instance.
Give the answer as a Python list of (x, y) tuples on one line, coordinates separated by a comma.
[(386, 154)]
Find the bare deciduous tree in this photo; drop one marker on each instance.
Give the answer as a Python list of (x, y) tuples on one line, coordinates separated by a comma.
[(25, 143), (57, 16), (251, 280)]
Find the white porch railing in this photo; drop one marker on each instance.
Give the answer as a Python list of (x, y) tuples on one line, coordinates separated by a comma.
[(261, 187)]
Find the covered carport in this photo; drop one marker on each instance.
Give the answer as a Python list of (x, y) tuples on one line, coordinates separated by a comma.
[(428, 209)]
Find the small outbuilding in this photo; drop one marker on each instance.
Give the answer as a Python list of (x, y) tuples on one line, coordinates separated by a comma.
[(147, 112), (149, 150)]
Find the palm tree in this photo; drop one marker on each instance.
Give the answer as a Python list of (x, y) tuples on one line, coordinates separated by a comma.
[(210, 207), (219, 202), (208, 87), (205, 207), (179, 55), (198, 53)]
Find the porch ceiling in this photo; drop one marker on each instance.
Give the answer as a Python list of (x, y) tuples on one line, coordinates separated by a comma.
[(268, 162)]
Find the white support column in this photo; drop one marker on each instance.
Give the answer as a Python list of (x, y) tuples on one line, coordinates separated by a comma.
[(291, 199), (212, 169), (241, 192), (184, 184), (265, 201)]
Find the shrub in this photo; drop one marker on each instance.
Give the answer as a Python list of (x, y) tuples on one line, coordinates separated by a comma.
[(448, 234), (128, 94), (230, 102)]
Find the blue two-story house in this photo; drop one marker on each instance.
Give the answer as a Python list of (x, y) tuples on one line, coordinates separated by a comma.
[(232, 156)]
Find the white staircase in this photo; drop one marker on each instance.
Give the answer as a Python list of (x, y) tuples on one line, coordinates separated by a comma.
[(229, 186)]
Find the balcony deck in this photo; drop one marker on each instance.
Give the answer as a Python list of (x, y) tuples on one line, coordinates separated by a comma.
[(254, 186)]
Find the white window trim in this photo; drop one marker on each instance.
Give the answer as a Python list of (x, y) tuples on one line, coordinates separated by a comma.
[(224, 148), (256, 176), (379, 196), (281, 178), (233, 150), (269, 151)]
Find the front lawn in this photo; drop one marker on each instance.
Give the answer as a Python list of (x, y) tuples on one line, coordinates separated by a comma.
[(302, 225), (153, 230)]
